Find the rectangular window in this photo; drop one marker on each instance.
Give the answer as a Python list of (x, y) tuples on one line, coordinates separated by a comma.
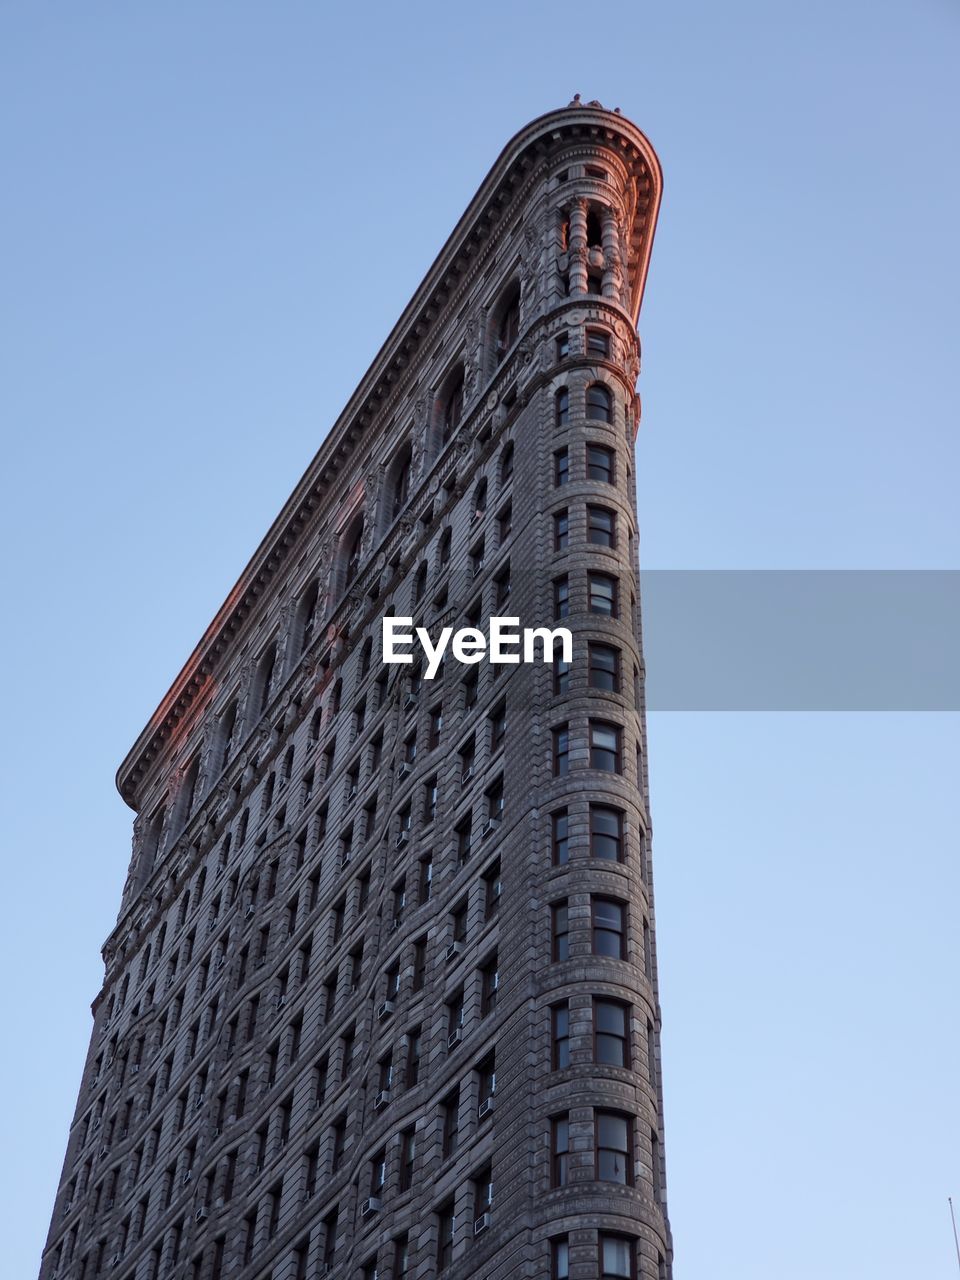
[(604, 667), (600, 463), (598, 343), (425, 880), (561, 750), (450, 1123), (601, 527), (491, 891), (560, 931), (605, 747), (414, 1042), (602, 591), (408, 1154), (606, 833), (560, 841), (614, 1147), (561, 598), (559, 1150), (498, 727), (560, 1259), (562, 341), (419, 964), (446, 1226), (489, 986), (611, 1040), (609, 928), (561, 530), (561, 677), (617, 1257), (560, 1017)]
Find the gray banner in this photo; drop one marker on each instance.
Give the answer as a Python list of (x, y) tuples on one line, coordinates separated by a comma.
[(805, 640)]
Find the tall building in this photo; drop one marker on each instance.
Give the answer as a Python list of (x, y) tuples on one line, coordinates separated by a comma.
[(381, 1000)]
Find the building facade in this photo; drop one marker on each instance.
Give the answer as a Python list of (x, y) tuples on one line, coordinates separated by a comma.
[(381, 1000)]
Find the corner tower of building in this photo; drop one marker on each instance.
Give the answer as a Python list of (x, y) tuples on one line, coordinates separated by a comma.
[(381, 1000)]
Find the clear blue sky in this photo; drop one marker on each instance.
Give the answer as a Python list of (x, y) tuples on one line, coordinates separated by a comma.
[(212, 216)]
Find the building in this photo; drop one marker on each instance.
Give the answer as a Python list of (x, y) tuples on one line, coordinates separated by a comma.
[(381, 1000)]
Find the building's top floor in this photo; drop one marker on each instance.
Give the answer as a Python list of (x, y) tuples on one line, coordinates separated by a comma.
[(600, 178)]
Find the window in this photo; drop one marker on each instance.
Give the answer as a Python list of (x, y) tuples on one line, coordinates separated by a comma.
[(599, 403), (560, 927), (505, 523), (561, 750), (601, 527), (425, 880), (354, 546), (561, 677), (562, 345), (498, 727), (414, 1045), (561, 407), (464, 831), (617, 1256), (598, 343), (436, 727), (453, 408), (509, 326), (491, 891), (606, 833), (446, 539), (561, 530), (477, 557), (419, 963), (605, 746), (559, 1150), (613, 1141), (446, 1226), (502, 586), (330, 1239), (611, 1043), (561, 598), (604, 667), (561, 468), (339, 1141), (482, 1192), (450, 1122), (560, 1035), (471, 686), (506, 463), (559, 837), (600, 463), (489, 986), (429, 801), (401, 484), (408, 1155), (486, 1079), (560, 1259), (401, 1257), (609, 932)]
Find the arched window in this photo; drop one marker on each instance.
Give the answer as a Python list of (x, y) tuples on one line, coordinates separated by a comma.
[(599, 403), (508, 325), (506, 463), (561, 407), (452, 408), (353, 545)]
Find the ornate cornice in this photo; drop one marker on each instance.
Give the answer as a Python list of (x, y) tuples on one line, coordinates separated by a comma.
[(540, 142)]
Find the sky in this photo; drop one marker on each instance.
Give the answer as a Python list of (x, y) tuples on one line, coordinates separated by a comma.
[(213, 215)]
